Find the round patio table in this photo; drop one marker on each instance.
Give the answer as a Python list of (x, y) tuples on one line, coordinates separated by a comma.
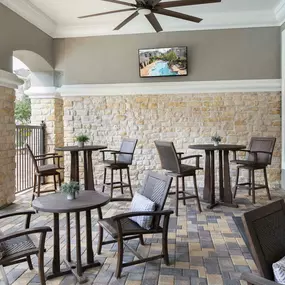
[(88, 167), (226, 197), (58, 203)]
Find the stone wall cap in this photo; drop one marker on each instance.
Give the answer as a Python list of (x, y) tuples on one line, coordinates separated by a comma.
[(9, 80)]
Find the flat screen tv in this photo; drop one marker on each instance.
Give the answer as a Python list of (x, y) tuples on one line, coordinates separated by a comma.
[(158, 62)]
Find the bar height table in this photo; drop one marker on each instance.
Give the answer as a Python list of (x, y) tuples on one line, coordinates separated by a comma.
[(226, 197), (58, 203), (88, 167)]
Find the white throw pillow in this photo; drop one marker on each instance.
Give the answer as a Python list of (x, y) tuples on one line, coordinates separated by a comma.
[(141, 203), (279, 271)]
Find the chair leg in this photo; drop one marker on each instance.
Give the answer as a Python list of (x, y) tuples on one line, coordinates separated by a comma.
[(121, 182), (104, 179), (236, 185), (4, 276), (177, 196), (165, 246), (141, 240), (183, 191), (30, 264), (197, 193), (249, 183), (35, 187), (129, 182), (120, 258), (54, 183), (266, 184), (112, 182), (41, 267), (100, 240), (59, 180), (39, 186), (253, 186)]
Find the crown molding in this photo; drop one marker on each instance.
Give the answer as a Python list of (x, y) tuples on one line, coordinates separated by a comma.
[(184, 87), (9, 80), (42, 92), (32, 14), (218, 21), (280, 12)]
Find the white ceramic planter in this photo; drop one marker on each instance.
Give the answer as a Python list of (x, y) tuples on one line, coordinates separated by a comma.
[(70, 196), (80, 144)]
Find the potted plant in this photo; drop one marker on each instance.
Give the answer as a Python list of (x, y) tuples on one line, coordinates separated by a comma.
[(216, 139), (81, 139), (70, 189)]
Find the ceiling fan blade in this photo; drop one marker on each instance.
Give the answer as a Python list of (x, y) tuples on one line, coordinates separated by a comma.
[(153, 21), (121, 2), (127, 20), (155, 2), (179, 3), (106, 13), (177, 15)]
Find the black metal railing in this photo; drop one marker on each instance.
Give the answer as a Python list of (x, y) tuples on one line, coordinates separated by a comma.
[(35, 137)]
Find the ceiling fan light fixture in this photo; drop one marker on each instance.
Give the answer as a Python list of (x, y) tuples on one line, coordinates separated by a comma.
[(144, 11)]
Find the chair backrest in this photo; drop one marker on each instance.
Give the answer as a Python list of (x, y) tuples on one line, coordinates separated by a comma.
[(156, 187), (127, 145), (32, 157), (262, 144), (265, 230), (168, 156)]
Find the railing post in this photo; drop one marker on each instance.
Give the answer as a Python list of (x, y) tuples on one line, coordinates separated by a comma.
[(43, 138), (43, 145)]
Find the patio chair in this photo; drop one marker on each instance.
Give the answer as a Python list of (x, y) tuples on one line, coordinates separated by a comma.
[(18, 246), (44, 170), (265, 230), (122, 159), (171, 161), (122, 228), (258, 157)]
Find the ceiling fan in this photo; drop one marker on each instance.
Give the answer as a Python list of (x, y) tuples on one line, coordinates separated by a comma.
[(149, 8)]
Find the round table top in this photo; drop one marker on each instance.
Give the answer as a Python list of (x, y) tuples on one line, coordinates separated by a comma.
[(58, 203), (218, 147), (77, 148)]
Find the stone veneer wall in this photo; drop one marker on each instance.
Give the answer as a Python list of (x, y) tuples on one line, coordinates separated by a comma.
[(183, 119), (51, 112), (7, 146)]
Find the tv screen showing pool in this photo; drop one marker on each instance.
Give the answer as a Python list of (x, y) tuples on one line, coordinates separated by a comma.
[(156, 62)]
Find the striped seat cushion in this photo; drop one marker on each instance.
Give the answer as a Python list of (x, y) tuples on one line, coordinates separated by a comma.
[(279, 271), (141, 203)]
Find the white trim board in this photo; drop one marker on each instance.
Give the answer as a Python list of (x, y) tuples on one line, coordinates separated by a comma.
[(9, 80), (181, 87), (42, 92)]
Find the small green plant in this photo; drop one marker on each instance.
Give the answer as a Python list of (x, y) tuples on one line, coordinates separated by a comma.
[(70, 188), (216, 138), (82, 138)]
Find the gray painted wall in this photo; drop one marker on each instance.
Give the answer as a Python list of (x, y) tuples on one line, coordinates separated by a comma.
[(18, 34), (234, 54)]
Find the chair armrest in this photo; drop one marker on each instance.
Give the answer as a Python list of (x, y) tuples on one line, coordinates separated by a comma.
[(260, 151), (41, 155), (179, 154), (142, 213), (241, 150), (121, 152), (25, 232), (256, 280), (108, 150), (28, 219), (191, 156), (49, 157), (197, 156)]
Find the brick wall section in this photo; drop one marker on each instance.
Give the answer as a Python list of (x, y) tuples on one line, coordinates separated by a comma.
[(7, 146), (183, 119)]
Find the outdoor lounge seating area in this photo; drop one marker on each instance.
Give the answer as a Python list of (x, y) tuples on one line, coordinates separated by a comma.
[(142, 142)]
